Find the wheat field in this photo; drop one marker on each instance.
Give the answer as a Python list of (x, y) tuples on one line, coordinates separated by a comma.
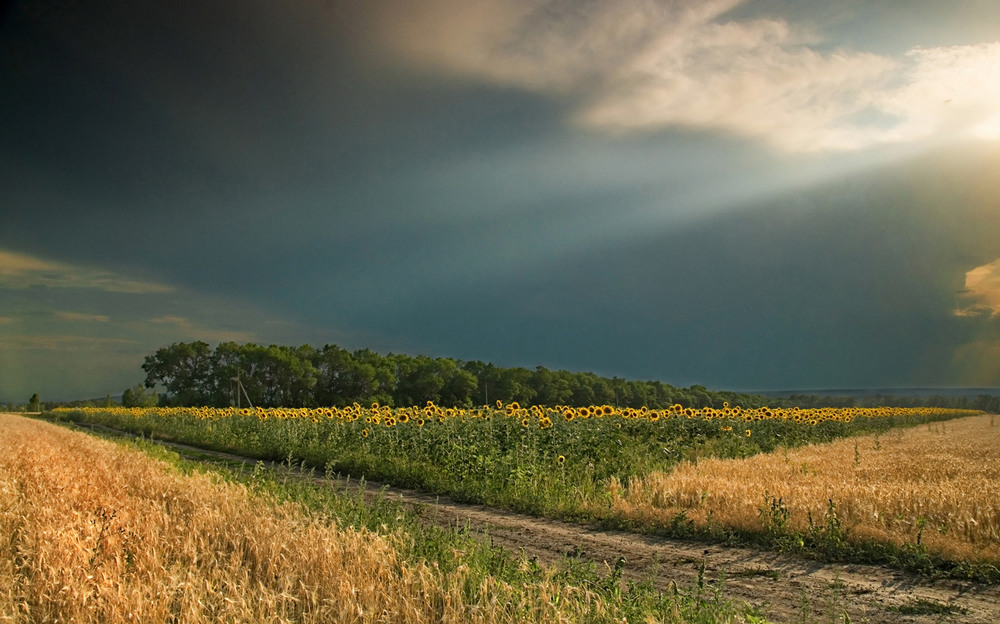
[(93, 532), (936, 485)]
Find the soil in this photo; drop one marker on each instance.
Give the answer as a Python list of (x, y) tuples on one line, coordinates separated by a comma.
[(786, 588)]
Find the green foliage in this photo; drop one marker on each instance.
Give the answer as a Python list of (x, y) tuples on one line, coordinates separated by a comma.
[(278, 376), (138, 396)]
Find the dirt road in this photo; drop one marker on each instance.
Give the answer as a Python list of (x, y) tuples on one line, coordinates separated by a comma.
[(788, 588)]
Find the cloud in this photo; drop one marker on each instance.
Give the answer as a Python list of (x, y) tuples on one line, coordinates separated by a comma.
[(185, 329), (64, 342), (87, 318), (20, 271), (982, 291), (642, 65), (949, 89)]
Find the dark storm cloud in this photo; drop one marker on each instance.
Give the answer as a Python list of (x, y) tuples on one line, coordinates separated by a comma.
[(842, 285), (219, 126), (516, 183)]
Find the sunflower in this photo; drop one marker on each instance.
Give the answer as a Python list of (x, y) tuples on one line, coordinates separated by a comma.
[(561, 459), (364, 433), (748, 433), (525, 423)]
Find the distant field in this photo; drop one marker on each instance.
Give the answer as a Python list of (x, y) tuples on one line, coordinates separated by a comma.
[(935, 486)]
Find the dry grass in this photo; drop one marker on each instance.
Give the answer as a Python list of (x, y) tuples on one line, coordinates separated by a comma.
[(91, 532), (940, 482)]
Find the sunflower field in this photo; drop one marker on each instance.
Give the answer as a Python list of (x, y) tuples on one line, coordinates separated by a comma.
[(556, 461)]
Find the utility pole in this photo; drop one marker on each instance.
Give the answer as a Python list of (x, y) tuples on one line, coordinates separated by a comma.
[(240, 388)]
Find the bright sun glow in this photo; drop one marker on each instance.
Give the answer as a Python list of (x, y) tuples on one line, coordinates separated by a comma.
[(989, 130)]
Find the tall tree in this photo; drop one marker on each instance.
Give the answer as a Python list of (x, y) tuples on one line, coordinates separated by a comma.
[(139, 396), (185, 370), (333, 378)]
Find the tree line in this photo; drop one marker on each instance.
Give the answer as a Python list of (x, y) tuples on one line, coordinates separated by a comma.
[(195, 374), (989, 403)]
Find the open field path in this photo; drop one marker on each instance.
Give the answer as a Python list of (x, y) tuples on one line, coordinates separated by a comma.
[(788, 588)]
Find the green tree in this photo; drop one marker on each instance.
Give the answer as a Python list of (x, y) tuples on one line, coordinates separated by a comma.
[(194, 374), (701, 396), (418, 380), (229, 367), (139, 396), (34, 404), (279, 376), (459, 384), (333, 380), (343, 377), (185, 370), (487, 380), (551, 388)]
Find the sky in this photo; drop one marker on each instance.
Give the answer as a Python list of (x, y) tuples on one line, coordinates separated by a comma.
[(742, 194)]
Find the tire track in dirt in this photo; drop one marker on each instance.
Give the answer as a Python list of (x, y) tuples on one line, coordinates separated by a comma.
[(787, 588)]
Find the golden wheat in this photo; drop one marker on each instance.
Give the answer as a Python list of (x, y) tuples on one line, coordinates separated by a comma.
[(939, 484), (92, 532)]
